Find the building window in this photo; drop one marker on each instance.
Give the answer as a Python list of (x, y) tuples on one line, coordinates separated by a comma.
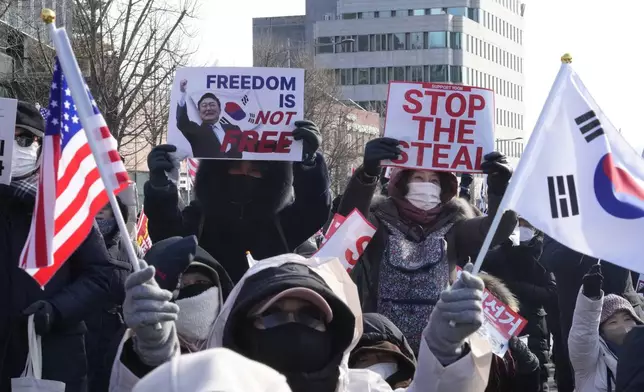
[(346, 47), (380, 42), (438, 11), (419, 12), (363, 43), (415, 73), (437, 39), (402, 13), (363, 75), (398, 41), (346, 76), (473, 13), (457, 11), (456, 74), (381, 76), (368, 15), (352, 15), (438, 73), (455, 40), (416, 41), (398, 74), (324, 45), (385, 14)]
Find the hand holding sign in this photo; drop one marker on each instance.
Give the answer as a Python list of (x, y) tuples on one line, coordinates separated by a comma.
[(380, 149), (182, 85), (499, 171)]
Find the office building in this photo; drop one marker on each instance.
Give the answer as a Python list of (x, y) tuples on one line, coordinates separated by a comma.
[(474, 42)]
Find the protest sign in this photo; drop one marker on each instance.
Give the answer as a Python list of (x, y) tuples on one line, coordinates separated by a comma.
[(236, 113), (336, 222), (440, 126), (640, 283), (349, 240), (8, 108), (142, 235), (500, 323)]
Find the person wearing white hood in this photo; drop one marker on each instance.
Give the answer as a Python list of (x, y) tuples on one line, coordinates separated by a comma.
[(210, 370), (302, 317), (183, 290)]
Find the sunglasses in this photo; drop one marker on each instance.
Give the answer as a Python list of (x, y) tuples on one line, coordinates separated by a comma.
[(25, 140), (312, 317)]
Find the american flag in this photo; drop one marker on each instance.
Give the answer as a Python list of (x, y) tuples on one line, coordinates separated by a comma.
[(70, 189), (193, 165)]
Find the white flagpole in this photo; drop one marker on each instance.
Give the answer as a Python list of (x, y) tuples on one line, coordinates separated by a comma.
[(76, 84), (533, 148)]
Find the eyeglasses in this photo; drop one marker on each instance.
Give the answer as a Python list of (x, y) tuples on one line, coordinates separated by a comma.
[(309, 316), (210, 105), (25, 140)]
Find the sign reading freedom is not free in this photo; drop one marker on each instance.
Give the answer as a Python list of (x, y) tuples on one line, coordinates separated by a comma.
[(440, 126)]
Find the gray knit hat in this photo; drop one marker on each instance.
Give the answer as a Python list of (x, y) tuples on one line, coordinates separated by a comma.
[(613, 304)]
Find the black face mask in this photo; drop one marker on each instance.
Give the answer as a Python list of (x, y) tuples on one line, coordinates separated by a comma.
[(193, 290), (290, 348)]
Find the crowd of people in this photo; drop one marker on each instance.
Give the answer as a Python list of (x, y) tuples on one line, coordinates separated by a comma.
[(201, 315)]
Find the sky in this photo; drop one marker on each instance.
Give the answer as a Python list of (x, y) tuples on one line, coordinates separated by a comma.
[(604, 39)]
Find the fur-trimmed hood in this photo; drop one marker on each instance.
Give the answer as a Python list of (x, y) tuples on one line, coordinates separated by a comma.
[(500, 290)]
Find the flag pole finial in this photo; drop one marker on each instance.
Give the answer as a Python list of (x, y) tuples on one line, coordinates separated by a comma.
[(566, 58), (48, 16)]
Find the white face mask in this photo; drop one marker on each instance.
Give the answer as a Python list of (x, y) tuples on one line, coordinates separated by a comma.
[(424, 195), (24, 159), (526, 234), (385, 369), (197, 315)]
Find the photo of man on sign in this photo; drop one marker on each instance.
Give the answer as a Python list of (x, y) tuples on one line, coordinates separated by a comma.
[(205, 139), (236, 113), (440, 126)]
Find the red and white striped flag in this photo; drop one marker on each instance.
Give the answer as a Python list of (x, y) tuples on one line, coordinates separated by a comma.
[(193, 165), (70, 189)]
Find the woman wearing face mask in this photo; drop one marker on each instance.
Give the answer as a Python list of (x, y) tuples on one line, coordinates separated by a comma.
[(599, 325), (423, 231)]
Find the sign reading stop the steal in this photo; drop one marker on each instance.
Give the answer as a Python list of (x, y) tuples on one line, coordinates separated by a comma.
[(347, 239), (440, 126)]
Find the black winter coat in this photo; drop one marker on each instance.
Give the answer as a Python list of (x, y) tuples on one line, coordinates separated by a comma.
[(80, 285), (630, 367), (519, 268), (278, 232)]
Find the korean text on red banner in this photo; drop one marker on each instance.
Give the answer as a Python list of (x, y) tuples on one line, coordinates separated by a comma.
[(349, 240), (236, 113), (440, 126), (500, 324)]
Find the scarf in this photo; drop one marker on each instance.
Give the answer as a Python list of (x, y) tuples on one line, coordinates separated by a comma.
[(25, 187)]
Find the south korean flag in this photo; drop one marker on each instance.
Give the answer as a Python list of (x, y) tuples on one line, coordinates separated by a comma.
[(239, 108)]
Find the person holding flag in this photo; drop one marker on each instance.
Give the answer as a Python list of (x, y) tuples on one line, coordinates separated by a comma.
[(80, 285)]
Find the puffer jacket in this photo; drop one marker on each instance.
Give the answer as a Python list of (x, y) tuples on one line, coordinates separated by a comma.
[(594, 364), (630, 367)]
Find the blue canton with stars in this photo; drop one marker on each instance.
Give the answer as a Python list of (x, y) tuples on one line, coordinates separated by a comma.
[(63, 117)]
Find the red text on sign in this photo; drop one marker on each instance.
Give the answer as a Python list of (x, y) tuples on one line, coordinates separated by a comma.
[(454, 103), (439, 155), (274, 118), (360, 245), (251, 141)]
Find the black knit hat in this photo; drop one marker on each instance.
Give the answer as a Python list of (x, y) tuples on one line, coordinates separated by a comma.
[(28, 118)]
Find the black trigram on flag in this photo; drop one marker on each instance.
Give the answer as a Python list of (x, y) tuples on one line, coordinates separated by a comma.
[(563, 196), (589, 126), (245, 100), (251, 118), (224, 121)]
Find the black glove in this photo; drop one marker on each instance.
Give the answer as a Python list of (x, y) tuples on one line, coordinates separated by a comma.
[(526, 361), (159, 162), (592, 282), (466, 180), (377, 150), (44, 316), (498, 172), (311, 138)]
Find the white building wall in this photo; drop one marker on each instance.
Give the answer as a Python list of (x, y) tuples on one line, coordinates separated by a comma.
[(491, 51)]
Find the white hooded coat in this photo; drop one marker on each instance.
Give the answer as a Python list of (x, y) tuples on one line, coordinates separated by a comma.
[(468, 374), (210, 370)]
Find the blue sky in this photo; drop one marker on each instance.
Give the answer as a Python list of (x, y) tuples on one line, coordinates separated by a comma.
[(605, 42)]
